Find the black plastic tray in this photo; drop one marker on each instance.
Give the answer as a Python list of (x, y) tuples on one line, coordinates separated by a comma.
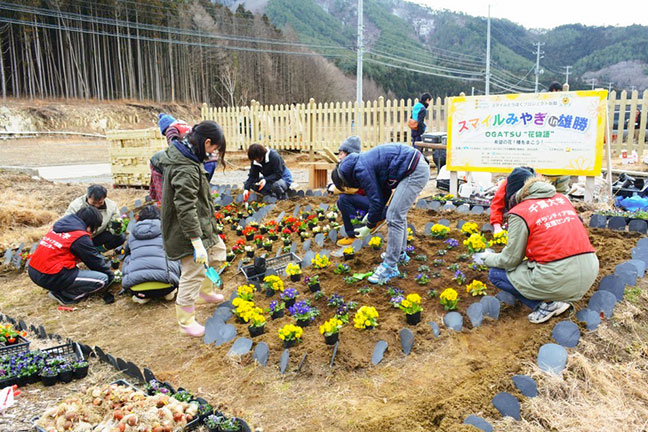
[(277, 264), (21, 346)]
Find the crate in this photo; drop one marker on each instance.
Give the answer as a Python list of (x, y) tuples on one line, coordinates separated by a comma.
[(21, 346), (278, 264), (71, 351), (130, 151)]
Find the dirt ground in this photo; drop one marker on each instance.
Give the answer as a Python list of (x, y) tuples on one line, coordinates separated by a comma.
[(434, 388)]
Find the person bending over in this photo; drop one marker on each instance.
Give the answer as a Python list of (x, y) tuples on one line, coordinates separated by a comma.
[(268, 173)]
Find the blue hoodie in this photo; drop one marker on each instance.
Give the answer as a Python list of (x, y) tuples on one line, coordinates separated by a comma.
[(378, 171)]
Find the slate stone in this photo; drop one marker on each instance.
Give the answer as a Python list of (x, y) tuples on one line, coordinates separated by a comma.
[(123, 210), (477, 210), (22, 325), (306, 245), (225, 333), (306, 261), (602, 301), (428, 228), (342, 232), (269, 199), (308, 208), (506, 298), (212, 327), (227, 200), (453, 320), (643, 243), (100, 354), (225, 305), (333, 235), (412, 227), (284, 360), (591, 318), (253, 196), (640, 265), (319, 239), (111, 360), (134, 371), (479, 423), (301, 362), (309, 192), (293, 247), (239, 198), (421, 204), (300, 193), (357, 245), (487, 227), (566, 333), (241, 346), (552, 358), (613, 284), (475, 313), (639, 226), (379, 352), (463, 208), (335, 350), (507, 405), (7, 257), (338, 253), (491, 306), (148, 375), (281, 215), (526, 385), (460, 224), (121, 364), (434, 205), (233, 295), (85, 350), (260, 354), (407, 340), (640, 254), (366, 240), (318, 193), (325, 252), (449, 207), (435, 328), (617, 223), (445, 222), (222, 313), (138, 203), (628, 273), (598, 221)]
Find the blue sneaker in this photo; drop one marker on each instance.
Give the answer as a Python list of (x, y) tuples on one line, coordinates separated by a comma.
[(383, 274), (402, 259)]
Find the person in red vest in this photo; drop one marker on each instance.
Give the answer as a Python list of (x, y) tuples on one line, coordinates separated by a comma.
[(53, 265), (544, 227)]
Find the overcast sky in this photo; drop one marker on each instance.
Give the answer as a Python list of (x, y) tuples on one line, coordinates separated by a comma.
[(543, 14)]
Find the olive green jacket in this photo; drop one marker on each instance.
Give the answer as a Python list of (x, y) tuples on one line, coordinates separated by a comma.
[(187, 207), (564, 280)]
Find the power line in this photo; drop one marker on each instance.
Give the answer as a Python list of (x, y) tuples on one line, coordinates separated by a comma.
[(420, 71), (427, 65), (428, 51)]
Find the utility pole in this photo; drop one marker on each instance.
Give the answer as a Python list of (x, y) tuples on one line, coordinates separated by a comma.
[(610, 86), (360, 46), (472, 92), (633, 88), (488, 41), (537, 67), (567, 74), (592, 81)]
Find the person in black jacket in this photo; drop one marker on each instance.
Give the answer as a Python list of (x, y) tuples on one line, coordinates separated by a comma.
[(419, 111), (268, 173), (53, 265)]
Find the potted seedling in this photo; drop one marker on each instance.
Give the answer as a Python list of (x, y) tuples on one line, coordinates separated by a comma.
[(303, 312), (49, 376), (258, 241), (476, 288), (246, 292), (396, 296), (475, 243), (290, 335), (212, 422), (411, 305), (294, 271), (376, 242), (330, 329), (65, 374), (249, 251), (273, 235), (470, 228), (248, 232), (304, 235), (348, 253), (313, 283), (256, 325), (239, 230), (366, 318), (451, 243), (320, 262), (272, 284), (204, 411), (501, 238), (276, 309), (267, 245), (289, 295), (230, 256), (342, 269), (183, 396), (242, 309), (449, 299), (80, 369), (332, 216), (317, 230), (114, 263), (229, 425), (422, 279), (439, 231)]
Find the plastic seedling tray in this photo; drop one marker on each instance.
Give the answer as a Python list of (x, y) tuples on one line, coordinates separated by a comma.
[(21, 345), (277, 264)]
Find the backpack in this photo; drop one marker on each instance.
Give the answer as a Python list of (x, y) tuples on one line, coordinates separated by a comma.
[(412, 124)]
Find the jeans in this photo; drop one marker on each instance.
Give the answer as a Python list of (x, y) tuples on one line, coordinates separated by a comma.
[(348, 204), (498, 278), (403, 198), (108, 241), (86, 283)]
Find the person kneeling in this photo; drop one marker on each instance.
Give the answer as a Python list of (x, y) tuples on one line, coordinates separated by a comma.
[(147, 271), (543, 226), (54, 263), (269, 164)]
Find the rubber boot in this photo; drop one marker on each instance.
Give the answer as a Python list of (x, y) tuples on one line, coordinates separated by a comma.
[(207, 293), (187, 320)]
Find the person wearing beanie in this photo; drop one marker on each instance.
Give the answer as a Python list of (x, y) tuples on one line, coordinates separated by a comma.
[(268, 174), (548, 261), (419, 112)]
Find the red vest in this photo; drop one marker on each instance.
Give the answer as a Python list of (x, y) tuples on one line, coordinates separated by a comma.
[(555, 231), (53, 252)]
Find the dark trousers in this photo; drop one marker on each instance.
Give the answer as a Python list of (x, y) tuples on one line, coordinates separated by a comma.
[(108, 241), (498, 278), (348, 204), (87, 282), (277, 189)]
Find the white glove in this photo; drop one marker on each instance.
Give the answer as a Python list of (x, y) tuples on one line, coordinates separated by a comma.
[(479, 257), (331, 188), (261, 184), (246, 195), (497, 228), (200, 253), (365, 218), (362, 232)]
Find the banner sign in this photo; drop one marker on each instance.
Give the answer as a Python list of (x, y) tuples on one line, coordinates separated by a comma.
[(558, 133)]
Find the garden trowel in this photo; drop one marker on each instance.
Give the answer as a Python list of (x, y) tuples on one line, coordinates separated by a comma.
[(213, 275)]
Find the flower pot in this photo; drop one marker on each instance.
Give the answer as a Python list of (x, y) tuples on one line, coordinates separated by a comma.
[(114, 265), (287, 242), (315, 287), (273, 237), (376, 247), (259, 245), (289, 302), (230, 258), (349, 257), (49, 380), (256, 331), (21, 381), (33, 378), (289, 343), (295, 277), (66, 377), (267, 247), (80, 373), (331, 339), (263, 230), (277, 314), (303, 323), (321, 218), (240, 320), (331, 219), (239, 232), (413, 319), (269, 292), (250, 254), (249, 237)]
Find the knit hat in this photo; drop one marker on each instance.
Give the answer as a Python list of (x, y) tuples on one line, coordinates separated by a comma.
[(516, 180), (351, 145), (164, 121)]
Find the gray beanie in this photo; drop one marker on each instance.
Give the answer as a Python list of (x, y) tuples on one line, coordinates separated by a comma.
[(351, 145)]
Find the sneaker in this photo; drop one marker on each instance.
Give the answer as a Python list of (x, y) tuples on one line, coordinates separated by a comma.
[(545, 311), (140, 300), (403, 259), (171, 295), (345, 241), (61, 300), (383, 274)]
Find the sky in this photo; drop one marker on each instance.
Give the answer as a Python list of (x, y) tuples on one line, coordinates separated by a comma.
[(542, 14)]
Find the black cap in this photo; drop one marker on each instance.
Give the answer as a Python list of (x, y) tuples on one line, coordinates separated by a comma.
[(516, 180)]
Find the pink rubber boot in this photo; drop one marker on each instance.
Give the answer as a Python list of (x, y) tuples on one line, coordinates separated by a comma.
[(187, 321)]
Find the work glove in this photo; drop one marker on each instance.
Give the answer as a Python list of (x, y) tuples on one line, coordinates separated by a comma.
[(478, 258), (261, 184), (246, 195), (365, 218), (330, 188), (200, 253), (497, 228), (362, 232)]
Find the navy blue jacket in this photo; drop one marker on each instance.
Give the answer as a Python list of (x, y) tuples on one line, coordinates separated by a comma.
[(272, 168), (147, 261), (378, 171), (82, 248), (418, 113)]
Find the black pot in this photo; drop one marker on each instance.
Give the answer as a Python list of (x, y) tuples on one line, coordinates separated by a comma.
[(349, 257), (33, 378), (321, 217), (256, 331), (289, 343), (277, 314), (250, 254), (315, 287), (413, 319), (376, 247), (263, 230), (21, 381), (239, 232), (48, 380), (273, 237), (287, 242), (269, 292), (303, 323), (66, 377), (217, 207), (249, 237), (289, 302), (295, 277), (80, 373), (114, 265), (259, 245), (231, 258), (330, 340), (267, 247)]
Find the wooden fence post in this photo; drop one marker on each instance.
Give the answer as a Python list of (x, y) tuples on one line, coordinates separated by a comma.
[(642, 124)]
